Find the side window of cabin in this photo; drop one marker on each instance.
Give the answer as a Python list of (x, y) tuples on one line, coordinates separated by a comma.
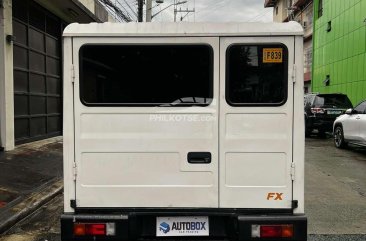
[(256, 75), (146, 75), (361, 108)]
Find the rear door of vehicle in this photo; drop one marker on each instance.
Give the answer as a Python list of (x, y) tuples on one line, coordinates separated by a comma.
[(360, 123), (362, 129), (256, 122), (352, 124), (146, 121), (350, 127)]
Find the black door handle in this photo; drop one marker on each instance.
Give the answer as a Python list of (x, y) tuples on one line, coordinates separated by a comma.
[(199, 157)]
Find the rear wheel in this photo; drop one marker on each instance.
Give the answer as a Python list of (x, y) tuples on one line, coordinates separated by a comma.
[(339, 137)]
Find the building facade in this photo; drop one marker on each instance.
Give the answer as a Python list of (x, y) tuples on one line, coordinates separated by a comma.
[(31, 64), (302, 12), (339, 64)]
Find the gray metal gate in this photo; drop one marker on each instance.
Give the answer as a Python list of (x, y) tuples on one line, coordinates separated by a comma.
[(37, 72)]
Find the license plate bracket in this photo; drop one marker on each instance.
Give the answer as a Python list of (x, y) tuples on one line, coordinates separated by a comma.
[(182, 226), (334, 112)]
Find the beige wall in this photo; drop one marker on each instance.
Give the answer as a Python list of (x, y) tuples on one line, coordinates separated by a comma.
[(305, 18), (6, 78), (280, 11), (308, 50), (308, 18), (89, 4)]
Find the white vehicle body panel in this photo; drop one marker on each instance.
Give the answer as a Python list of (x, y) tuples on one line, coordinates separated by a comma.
[(354, 125), (182, 29), (362, 128), (350, 125), (256, 142), (121, 157), (124, 155)]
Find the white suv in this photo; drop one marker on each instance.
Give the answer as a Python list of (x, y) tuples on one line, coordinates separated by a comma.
[(351, 127)]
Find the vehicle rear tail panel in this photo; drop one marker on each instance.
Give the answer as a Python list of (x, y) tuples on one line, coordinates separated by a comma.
[(228, 169)]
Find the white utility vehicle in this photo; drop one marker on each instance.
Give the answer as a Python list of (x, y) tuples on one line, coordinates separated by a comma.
[(351, 127), (175, 130)]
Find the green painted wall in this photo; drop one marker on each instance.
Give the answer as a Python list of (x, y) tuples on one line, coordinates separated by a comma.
[(341, 52)]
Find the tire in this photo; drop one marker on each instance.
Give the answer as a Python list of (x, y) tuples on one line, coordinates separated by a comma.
[(339, 141)]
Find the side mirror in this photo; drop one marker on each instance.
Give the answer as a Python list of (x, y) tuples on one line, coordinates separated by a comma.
[(349, 111)]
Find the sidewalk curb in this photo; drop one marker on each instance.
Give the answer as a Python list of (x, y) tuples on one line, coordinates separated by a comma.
[(30, 204)]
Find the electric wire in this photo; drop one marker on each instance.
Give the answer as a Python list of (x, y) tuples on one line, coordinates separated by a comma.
[(114, 9)]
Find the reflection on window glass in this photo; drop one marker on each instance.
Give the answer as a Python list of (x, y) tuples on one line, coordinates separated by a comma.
[(361, 108), (332, 101), (146, 75), (256, 75)]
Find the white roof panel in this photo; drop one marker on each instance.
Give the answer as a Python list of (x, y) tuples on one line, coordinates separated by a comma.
[(183, 29)]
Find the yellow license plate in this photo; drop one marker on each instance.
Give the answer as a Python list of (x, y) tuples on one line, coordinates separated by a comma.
[(272, 55)]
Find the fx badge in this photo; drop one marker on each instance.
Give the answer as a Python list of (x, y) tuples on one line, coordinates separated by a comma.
[(274, 196)]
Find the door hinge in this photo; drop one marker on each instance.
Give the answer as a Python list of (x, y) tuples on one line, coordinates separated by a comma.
[(72, 73), (294, 73), (74, 171), (293, 171)]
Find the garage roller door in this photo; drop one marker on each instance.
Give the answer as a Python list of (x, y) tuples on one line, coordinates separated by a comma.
[(37, 72)]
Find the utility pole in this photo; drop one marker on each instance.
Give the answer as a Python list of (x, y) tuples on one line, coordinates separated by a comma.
[(148, 10), (140, 5), (182, 11), (162, 1), (175, 11)]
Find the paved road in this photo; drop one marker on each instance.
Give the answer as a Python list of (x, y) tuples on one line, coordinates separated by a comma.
[(43, 225), (335, 199), (335, 188)]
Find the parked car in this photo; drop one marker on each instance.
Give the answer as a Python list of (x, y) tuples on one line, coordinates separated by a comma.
[(351, 127), (322, 109)]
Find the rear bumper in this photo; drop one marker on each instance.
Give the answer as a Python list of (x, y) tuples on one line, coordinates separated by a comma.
[(320, 124), (222, 226)]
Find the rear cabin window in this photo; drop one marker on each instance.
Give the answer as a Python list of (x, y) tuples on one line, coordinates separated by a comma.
[(332, 101), (146, 75), (256, 75)]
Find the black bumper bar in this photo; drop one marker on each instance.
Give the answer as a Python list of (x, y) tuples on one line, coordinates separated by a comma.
[(222, 226)]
